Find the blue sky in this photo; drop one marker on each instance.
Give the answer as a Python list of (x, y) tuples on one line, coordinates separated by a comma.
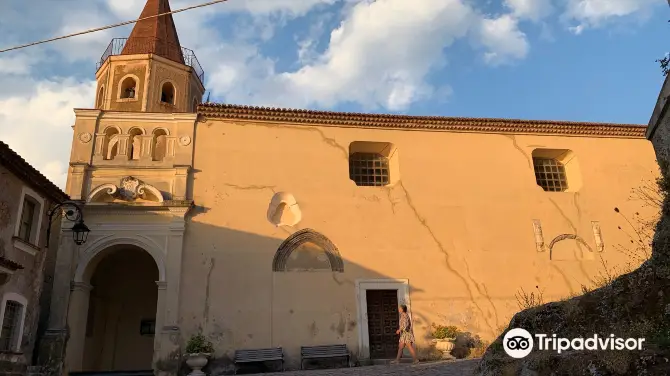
[(584, 60)]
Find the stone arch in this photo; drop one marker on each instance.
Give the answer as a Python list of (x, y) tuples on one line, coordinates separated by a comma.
[(168, 92), (111, 142), (128, 87), (562, 237), (159, 143), (301, 237), (100, 246), (135, 143)]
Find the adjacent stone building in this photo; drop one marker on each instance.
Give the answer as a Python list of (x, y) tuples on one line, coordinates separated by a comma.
[(26, 265), (265, 227)]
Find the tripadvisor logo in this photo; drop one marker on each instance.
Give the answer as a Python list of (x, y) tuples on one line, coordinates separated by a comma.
[(518, 343)]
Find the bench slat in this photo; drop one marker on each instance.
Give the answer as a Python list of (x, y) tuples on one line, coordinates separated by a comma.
[(324, 351), (259, 355)]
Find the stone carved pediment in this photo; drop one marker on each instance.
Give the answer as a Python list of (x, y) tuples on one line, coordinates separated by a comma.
[(129, 189)]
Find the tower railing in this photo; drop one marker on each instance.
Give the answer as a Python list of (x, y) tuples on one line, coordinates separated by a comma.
[(171, 51)]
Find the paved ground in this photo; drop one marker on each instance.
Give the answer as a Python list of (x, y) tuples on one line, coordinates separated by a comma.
[(446, 368)]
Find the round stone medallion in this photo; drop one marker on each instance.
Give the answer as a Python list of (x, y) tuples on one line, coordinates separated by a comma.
[(85, 137), (184, 140)]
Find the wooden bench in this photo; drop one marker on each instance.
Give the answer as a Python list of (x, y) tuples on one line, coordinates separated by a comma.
[(323, 352), (259, 355)]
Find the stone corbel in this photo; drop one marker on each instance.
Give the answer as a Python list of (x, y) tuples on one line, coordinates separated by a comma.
[(539, 237)]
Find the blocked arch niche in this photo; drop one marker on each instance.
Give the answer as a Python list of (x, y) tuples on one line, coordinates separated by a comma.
[(301, 237), (563, 237)]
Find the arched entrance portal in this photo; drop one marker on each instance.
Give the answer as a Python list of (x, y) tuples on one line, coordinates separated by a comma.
[(114, 324)]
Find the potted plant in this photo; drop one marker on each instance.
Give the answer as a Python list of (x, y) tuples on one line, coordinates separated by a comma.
[(444, 337), (198, 350)]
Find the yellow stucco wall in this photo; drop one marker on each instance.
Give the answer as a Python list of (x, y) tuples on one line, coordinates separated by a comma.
[(458, 224)]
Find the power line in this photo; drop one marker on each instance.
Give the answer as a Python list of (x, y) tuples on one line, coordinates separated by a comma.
[(112, 26)]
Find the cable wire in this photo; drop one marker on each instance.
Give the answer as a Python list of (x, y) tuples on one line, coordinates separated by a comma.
[(111, 26)]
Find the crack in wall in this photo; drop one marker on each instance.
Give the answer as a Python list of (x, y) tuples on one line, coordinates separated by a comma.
[(327, 140), (483, 293), (252, 187), (565, 277), (389, 194), (341, 283), (205, 312), (517, 147), (442, 249), (574, 229)]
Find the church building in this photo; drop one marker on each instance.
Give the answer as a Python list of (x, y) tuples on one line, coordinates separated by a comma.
[(264, 227)]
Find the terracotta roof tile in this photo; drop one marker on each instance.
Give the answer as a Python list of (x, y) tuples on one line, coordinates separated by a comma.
[(22, 169), (425, 123), (156, 35)]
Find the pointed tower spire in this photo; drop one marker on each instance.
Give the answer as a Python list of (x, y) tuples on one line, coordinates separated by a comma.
[(156, 35)]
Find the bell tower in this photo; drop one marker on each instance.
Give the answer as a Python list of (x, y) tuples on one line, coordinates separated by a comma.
[(150, 71)]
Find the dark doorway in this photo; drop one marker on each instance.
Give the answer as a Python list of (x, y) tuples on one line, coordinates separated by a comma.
[(382, 323)]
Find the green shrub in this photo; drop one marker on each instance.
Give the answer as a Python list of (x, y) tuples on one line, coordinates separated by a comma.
[(443, 332), (198, 344)]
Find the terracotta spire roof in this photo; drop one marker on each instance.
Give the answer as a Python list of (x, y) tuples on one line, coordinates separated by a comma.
[(156, 35)]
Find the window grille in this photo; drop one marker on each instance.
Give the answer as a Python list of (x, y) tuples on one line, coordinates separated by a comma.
[(550, 174), (369, 169), (10, 326)]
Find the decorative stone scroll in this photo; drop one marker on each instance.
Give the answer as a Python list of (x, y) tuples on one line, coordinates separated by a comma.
[(129, 189)]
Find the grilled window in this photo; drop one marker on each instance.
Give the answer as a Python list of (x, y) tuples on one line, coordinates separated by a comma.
[(369, 169), (10, 326), (550, 174), (28, 216)]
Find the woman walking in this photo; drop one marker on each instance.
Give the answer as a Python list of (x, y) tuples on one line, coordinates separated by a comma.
[(406, 335)]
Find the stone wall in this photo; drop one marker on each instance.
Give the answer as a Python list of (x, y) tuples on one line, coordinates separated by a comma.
[(30, 281)]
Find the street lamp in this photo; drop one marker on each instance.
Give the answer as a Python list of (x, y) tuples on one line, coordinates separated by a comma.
[(72, 212)]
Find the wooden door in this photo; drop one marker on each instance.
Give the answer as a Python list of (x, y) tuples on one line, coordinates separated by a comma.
[(383, 323)]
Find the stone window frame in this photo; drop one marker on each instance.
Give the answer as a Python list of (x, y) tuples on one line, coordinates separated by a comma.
[(18, 337), (32, 245), (119, 90), (561, 164), (174, 93), (550, 174), (384, 157)]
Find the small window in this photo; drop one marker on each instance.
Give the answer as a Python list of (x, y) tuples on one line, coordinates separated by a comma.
[(369, 169), (550, 174), (128, 88), (167, 93), (28, 217), (11, 322)]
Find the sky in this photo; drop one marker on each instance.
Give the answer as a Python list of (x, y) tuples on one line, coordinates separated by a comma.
[(582, 60)]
